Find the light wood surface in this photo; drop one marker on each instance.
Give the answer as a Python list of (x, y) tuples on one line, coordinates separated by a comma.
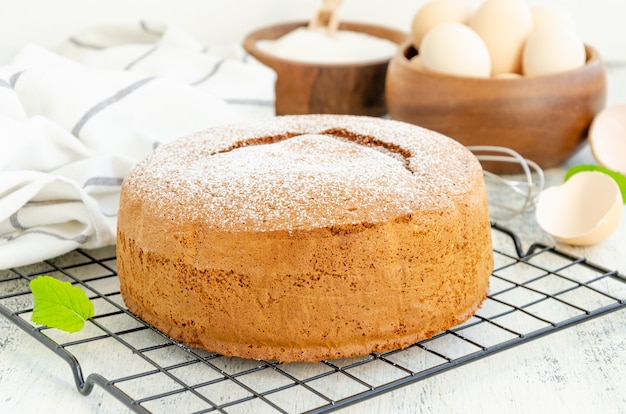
[(577, 370)]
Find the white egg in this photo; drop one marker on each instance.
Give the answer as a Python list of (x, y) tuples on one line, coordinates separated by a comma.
[(436, 12), (552, 49), (504, 26), (584, 210), (607, 138), (455, 49), (546, 15)]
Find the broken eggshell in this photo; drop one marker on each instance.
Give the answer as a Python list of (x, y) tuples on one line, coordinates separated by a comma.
[(583, 211), (607, 138)]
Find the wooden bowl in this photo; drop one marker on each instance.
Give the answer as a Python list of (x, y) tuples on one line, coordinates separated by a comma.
[(544, 118), (305, 88)]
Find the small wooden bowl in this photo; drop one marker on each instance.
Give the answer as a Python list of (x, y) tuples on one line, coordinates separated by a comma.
[(305, 88), (543, 118)]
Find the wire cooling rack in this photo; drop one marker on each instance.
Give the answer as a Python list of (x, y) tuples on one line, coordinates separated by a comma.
[(532, 294)]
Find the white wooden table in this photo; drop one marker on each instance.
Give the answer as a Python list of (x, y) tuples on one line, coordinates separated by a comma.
[(581, 369)]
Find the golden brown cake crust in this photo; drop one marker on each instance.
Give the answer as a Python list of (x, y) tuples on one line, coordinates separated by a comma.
[(305, 237)]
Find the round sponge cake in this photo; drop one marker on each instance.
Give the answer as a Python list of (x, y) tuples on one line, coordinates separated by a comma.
[(305, 237)]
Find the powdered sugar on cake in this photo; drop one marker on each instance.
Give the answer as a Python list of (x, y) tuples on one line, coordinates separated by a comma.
[(292, 173)]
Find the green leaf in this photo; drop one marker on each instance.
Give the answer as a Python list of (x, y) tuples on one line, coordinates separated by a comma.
[(59, 304), (619, 178)]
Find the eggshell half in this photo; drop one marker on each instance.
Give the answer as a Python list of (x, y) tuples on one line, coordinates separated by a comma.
[(607, 138), (583, 211)]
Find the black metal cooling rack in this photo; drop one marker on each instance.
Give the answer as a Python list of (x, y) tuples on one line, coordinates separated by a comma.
[(532, 294)]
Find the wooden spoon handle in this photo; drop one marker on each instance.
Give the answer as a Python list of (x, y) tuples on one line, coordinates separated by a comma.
[(327, 16)]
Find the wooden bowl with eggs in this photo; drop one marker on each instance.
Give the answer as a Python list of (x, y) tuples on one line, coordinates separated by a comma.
[(327, 88), (544, 118)]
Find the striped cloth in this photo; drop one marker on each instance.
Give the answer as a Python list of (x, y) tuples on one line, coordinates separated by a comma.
[(74, 121)]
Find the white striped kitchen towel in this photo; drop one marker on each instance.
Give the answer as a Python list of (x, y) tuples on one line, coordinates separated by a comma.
[(74, 121)]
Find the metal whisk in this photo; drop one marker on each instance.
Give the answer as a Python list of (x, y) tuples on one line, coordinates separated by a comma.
[(523, 189)]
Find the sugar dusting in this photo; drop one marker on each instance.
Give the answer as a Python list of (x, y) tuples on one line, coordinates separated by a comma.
[(305, 178)]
